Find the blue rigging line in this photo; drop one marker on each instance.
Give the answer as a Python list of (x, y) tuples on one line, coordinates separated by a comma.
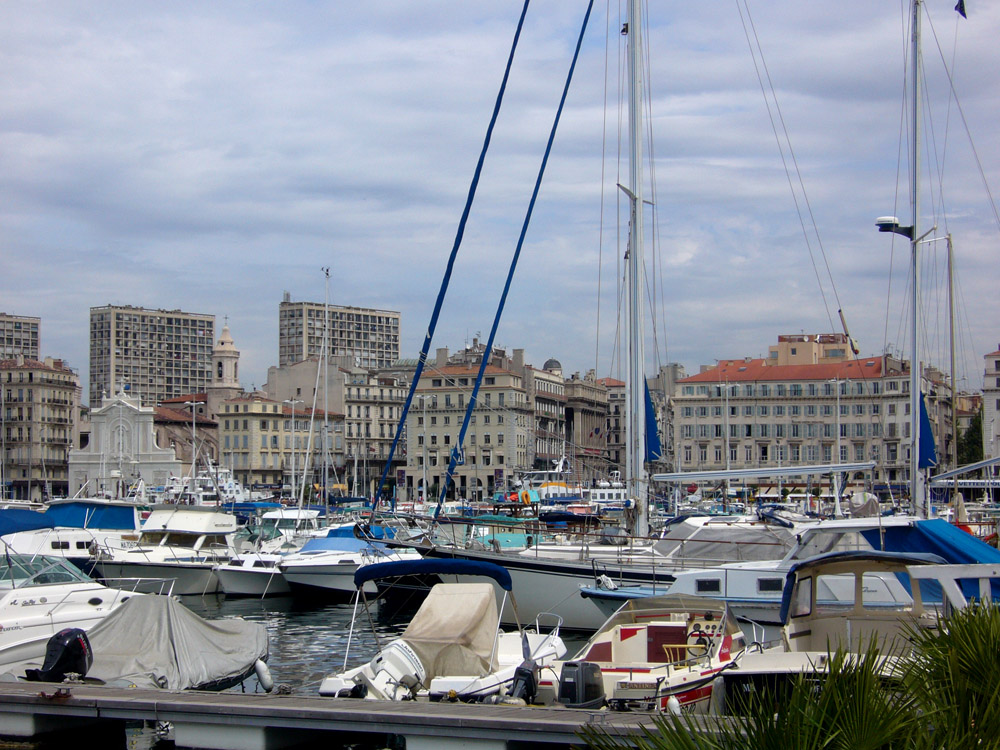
[(456, 451), (451, 263)]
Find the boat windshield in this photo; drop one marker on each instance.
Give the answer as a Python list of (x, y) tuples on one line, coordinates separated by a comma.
[(819, 542), (17, 571)]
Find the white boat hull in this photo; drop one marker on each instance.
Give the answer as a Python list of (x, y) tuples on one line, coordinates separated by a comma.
[(189, 579), (241, 581)]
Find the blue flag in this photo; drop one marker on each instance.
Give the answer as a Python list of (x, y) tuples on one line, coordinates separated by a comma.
[(961, 8)]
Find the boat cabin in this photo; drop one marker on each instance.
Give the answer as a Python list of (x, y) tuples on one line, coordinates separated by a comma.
[(850, 599)]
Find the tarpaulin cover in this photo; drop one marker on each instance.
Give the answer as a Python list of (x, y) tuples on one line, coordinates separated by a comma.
[(433, 566), (81, 514), (454, 631), (156, 642)]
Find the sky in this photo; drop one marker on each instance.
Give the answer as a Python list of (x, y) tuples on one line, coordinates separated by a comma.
[(210, 157)]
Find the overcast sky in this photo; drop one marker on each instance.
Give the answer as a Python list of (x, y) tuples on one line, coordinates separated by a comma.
[(211, 156)]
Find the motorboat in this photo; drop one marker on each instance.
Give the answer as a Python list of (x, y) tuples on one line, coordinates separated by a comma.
[(39, 596), (182, 542), (252, 574), (660, 653), (453, 649), (326, 565), (156, 642), (75, 526)]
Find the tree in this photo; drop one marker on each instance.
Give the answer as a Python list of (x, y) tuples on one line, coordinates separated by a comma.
[(970, 444)]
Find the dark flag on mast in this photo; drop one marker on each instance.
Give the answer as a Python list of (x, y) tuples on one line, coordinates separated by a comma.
[(961, 8)]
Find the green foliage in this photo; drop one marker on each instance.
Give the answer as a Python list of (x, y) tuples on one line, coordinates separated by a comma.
[(946, 697), (970, 443)]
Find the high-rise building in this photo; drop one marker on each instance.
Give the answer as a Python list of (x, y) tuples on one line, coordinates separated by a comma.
[(370, 337), (19, 336), (153, 354)]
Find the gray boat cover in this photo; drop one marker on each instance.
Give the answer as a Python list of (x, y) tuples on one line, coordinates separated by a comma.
[(454, 632), (156, 642)]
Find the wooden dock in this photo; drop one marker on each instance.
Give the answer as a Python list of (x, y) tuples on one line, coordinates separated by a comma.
[(237, 721)]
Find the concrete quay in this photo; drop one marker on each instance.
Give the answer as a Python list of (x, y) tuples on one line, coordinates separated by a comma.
[(237, 721)]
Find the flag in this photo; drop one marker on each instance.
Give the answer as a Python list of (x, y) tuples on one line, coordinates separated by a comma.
[(961, 8)]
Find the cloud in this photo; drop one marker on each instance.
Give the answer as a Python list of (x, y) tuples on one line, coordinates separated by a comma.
[(210, 157)]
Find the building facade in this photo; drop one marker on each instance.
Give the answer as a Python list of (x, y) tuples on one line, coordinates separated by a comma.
[(586, 422), (122, 450), (19, 336), (158, 354), (368, 336), (38, 405), (271, 445), (754, 413), (991, 405), (499, 439)]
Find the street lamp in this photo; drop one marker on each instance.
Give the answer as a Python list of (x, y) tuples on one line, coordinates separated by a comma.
[(194, 451), (423, 439), (836, 474), (293, 402)]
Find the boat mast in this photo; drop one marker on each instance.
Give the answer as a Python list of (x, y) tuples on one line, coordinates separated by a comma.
[(636, 424), (917, 489)]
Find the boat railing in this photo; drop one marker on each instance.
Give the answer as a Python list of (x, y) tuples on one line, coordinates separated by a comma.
[(157, 586)]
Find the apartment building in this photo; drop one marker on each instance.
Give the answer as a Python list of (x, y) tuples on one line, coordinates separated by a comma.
[(19, 336), (38, 402), (159, 354), (270, 444), (546, 393), (500, 436), (370, 337), (755, 413)]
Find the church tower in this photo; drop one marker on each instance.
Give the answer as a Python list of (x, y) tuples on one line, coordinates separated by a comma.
[(225, 373)]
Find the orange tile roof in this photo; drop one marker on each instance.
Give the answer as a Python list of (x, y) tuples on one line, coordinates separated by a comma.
[(755, 370)]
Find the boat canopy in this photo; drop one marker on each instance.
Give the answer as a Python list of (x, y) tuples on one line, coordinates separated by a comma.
[(13, 520), (433, 566), (89, 514), (882, 560)]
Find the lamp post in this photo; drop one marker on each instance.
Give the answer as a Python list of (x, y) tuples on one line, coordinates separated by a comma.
[(836, 474), (293, 402), (194, 451), (423, 440)]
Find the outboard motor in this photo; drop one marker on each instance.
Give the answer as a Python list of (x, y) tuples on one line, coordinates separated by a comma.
[(524, 685), (68, 652), (581, 685)]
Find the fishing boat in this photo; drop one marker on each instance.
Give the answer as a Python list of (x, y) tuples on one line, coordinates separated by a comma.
[(453, 649)]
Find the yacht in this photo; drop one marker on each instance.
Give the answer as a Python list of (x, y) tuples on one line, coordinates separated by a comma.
[(183, 542)]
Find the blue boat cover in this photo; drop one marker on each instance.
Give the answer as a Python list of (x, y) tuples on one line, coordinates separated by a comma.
[(18, 519), (335, 544), (81, 514), (433, 566)]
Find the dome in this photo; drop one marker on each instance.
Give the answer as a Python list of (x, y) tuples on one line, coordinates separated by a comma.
[(552, 364)]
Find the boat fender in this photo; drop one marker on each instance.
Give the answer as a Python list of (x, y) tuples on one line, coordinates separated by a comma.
[(263, 675), (674, 705), (525, 497)]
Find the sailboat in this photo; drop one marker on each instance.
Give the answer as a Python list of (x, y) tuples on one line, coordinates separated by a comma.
[(551, 582)]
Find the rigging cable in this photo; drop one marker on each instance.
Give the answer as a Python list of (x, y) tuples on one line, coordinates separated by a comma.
[(451, 264), (758, 50), (456, 451)]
